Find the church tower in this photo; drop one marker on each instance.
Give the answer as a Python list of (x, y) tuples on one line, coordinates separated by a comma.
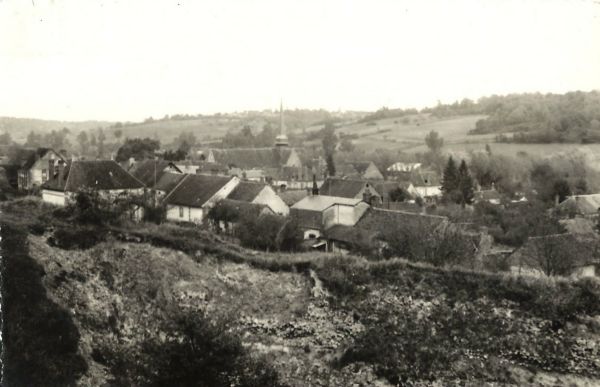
[(281, 140)]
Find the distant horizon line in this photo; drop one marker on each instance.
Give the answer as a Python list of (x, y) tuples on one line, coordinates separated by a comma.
[(275, 111)]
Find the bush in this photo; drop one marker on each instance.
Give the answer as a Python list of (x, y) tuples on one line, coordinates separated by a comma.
[(196, 352), (154, 214), (425, 240), (77, 237)]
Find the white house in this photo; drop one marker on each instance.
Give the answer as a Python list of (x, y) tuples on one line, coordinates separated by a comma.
[(259, 193), (105, 176), (37, 167), (194, 195), (316, 213)]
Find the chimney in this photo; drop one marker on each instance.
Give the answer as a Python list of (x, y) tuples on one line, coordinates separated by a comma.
[(61, 171), (315, 188), (367, 194), (556, 199)]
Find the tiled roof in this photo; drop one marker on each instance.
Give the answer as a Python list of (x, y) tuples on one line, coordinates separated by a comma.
[(146, 170), (307, 218), (252, 157), (320, 203), (583, 204), (377, 220), (28, 157), (292, 196), (347, 234), (168, 181), (361, 166), (212, 168), (97, 174), (196, 190), (345, 188), (246, 191)]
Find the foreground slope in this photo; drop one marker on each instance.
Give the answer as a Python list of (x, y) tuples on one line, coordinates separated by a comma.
[(305, 319)]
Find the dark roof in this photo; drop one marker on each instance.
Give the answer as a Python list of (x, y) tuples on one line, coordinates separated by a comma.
[(145, 170), (98, 174), (345, 188), (347, 234), (211, 168), (307, 218), (361, 166), (377, 220), (196, 190), (246, 191), (582, 204), (28, 157), (292, 196), (168, 181), (424, 178), (252, 157)]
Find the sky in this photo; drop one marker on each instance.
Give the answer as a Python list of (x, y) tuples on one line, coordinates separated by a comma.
[(128, 60)]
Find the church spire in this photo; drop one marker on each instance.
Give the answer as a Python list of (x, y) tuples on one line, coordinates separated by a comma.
[(281, 140)]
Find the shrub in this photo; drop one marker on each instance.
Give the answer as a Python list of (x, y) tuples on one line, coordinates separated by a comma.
[(197, 351), (77, 237), (154, 214)]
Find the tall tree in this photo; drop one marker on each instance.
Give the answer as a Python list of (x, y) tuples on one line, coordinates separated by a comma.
[(100, 140), (466, 184), (450, 179), (34, 140), (5, 139), (84, 143), (434, 142), (118, 133), (137, 148), (329, 143)]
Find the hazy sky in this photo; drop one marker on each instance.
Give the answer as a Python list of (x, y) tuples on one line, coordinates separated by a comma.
[(128, 60)]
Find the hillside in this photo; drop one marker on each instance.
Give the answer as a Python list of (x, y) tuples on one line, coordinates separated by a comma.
[(408, 133), (19, 127), (110, 314)]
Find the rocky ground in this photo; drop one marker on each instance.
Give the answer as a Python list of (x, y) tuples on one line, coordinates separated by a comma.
[(119, 292), (113, 294)]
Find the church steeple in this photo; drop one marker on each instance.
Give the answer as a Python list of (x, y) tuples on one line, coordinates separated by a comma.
[(281, 140)]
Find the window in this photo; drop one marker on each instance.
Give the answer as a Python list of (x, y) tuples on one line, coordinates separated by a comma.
[(44, 175), (180, 211)]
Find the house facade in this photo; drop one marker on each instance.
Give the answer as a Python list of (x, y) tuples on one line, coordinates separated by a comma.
[(316, 213), (37, 168), (259, 193), (106, 177), (194, 195)]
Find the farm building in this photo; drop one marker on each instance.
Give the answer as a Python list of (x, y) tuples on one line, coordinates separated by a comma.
[(351, 189), (259, 193), (316, 213), (105, 176), (194, 195), (36, 167)]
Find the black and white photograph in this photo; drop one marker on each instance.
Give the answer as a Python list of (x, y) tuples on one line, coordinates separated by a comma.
[(286, 193)]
